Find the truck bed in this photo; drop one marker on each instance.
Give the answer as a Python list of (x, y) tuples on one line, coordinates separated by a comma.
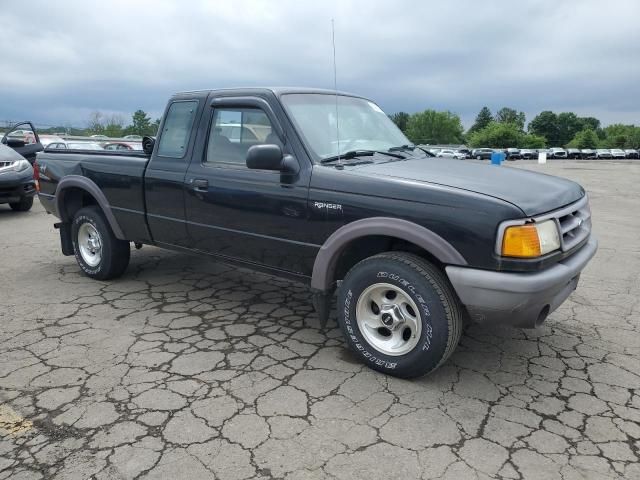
[(120, 176)]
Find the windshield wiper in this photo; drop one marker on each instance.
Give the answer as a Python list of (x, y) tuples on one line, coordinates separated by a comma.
[(359, 153), (402, 148)]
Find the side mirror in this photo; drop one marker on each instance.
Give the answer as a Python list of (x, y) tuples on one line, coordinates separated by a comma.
[(15, 142), (265, 157), (147, 144)]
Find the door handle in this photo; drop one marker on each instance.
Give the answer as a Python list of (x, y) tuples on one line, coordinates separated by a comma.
[(200, 184)]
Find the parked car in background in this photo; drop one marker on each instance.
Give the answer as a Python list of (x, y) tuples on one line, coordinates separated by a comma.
[(22, 138), (603, 153), (574, 153), (630, 153), (56, 146), (587, 153), (84, 146), (465, 151), (17, 187), (132, 137), (618, 153), (122, 146), (482, 153), (101, 137), (557, 152), (528, 154), (47, 139), (451, 154), (513, 154)]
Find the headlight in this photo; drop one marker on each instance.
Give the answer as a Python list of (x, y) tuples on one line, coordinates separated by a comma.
[(530, 240), (20, 165)]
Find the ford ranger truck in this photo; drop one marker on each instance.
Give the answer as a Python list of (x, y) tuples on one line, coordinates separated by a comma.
[(282, 181)]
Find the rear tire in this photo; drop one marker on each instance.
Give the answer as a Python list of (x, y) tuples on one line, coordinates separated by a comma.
[(24, 205), (399, 313), (98, 252)]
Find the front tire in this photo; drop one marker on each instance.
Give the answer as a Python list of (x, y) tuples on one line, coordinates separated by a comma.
[(24, 205), (98, 252), (399, 313)]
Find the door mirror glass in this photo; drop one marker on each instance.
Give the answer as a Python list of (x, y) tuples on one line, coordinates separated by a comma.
[(264, 157)]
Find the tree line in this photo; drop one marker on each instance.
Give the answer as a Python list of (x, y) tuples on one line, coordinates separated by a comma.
[(114, 126), (506, 128)]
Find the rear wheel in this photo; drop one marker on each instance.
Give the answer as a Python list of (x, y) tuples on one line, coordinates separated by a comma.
[(478, 157), (399, 313), (98, 252), (23, 205)]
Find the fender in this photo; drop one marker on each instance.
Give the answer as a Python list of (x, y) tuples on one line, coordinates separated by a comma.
[(325, 263), (91, 188)]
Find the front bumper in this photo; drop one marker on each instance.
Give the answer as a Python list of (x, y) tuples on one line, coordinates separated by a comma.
[(16, 186), (519, 299)]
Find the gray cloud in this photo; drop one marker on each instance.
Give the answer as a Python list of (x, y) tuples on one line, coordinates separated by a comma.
[(65, 59)]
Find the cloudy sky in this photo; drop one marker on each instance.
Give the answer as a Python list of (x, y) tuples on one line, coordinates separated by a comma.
[(61, 60)]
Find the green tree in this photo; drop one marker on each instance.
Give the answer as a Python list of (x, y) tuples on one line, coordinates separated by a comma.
[(545, 124), (95, 124), (155, 126), (590, 122), (569, 124), (400, 119), (585, 138), (497, 135), (483, 119), (633, 138), (434, 127), (141, 124), (114, 126), (509, 115), (530, 140)]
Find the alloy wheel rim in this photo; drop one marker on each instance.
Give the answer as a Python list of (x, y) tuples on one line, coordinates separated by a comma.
[(389, 319), (90, 244)]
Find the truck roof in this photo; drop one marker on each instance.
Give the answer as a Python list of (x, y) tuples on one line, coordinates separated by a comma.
[(274, 90)]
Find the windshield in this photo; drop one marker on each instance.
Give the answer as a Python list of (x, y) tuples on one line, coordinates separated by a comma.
[(362, 124)]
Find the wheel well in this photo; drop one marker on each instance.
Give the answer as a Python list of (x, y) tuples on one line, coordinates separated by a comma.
[(367, 246), (75, 199)]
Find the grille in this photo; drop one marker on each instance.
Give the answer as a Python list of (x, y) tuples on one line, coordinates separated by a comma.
[(4, 164), (574, 222)]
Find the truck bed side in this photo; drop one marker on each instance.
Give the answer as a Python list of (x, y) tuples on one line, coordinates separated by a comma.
[(118, 175)]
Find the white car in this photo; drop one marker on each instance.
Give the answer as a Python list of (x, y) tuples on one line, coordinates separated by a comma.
[(558, 153), (617, 153), (451, 154)]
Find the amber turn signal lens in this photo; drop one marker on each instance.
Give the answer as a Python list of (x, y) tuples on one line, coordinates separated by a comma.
[(521, 241)]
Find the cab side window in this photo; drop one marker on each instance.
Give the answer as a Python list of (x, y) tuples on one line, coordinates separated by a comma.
[(235, 130), (177, 129)]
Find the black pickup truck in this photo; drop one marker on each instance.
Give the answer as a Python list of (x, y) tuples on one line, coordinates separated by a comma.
[(321, 187)]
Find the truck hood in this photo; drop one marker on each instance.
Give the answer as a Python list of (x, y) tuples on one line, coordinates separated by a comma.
[(534, 193)]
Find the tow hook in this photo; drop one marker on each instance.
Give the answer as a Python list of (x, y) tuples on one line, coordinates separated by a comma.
[(138, 245)]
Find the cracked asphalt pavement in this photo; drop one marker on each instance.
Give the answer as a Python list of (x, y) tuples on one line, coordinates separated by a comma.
[(188, 369)]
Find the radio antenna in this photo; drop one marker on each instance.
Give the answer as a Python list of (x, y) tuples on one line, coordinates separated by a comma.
[(335, 88)]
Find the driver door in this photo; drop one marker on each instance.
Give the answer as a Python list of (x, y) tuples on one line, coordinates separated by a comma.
[(24, 139)]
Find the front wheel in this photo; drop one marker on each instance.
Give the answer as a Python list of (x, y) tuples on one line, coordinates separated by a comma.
[(399, 313), (478, 157), (98, 252), (23, 205)]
